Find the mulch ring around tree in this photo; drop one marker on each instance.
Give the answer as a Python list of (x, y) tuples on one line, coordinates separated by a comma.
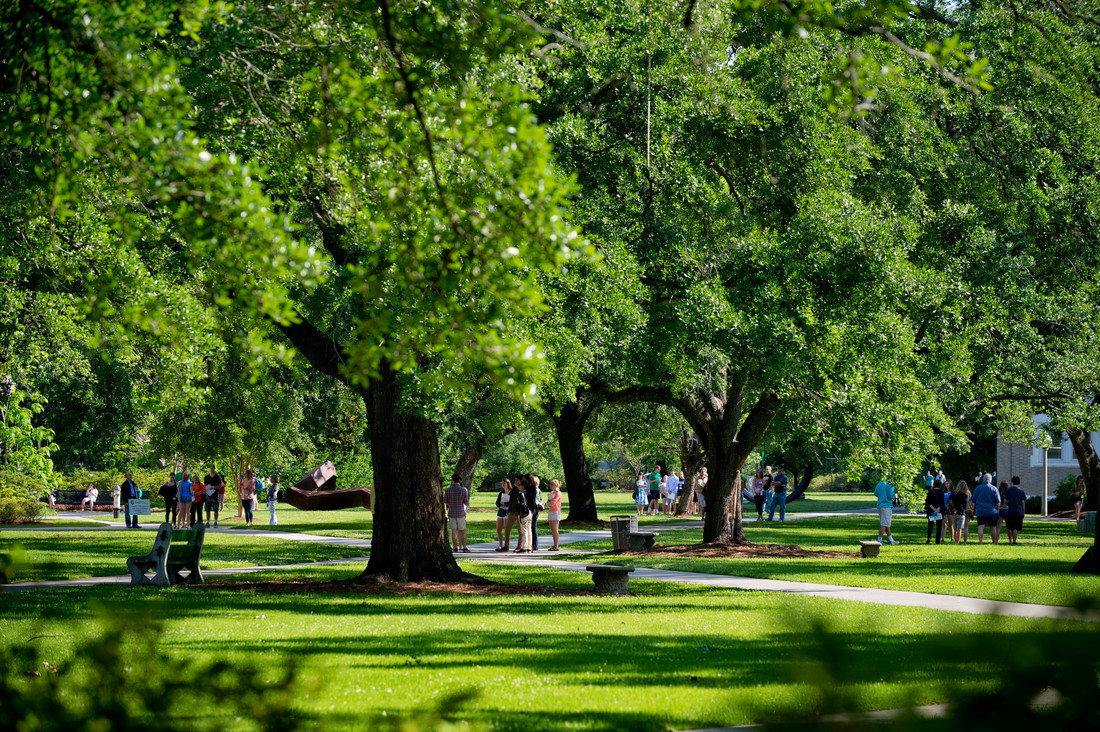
[(347, 587), (750, 551)]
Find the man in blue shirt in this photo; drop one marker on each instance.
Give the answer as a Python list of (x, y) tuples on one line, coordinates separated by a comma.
[(884, 492), (779, 495), (1016, 500), (986, 501)]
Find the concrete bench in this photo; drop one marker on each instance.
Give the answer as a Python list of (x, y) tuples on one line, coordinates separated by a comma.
[(610, 578), (173, 551), (870, 548), (641, 540)]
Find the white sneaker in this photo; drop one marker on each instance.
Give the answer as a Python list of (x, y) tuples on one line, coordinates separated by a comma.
[(894, 541)]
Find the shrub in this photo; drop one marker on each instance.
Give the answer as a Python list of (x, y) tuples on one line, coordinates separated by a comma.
[(19, 497)]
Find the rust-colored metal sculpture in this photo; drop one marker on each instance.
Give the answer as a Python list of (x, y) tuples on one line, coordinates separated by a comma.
[(318, 492)]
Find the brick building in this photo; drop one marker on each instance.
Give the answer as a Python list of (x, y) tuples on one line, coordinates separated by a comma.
[(1027, 461)]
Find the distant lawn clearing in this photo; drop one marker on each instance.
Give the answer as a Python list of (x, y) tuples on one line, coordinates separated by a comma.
[(588, 663)]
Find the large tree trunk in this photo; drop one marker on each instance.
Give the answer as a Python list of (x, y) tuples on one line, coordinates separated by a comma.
[(467, 464), (723, 522), (569, 425), (691, 459), (409, 542), (728, 447), (1088, 462)]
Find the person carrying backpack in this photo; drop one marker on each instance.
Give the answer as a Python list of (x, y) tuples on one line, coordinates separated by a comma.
[(518, 507)]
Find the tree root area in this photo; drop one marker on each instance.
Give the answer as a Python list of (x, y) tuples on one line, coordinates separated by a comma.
[(387, 587), (738, 550)]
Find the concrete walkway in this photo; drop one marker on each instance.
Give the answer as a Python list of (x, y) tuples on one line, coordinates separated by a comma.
[(486, 552)]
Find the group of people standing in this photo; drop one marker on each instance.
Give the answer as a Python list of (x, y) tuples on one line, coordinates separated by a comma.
[(954, 506), (656, 493), (518, 507), (185, 499), (770, 491)]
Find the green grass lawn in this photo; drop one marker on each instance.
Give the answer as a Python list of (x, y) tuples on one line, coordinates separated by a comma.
[(1035, 570), (669, 656), (56, 555)]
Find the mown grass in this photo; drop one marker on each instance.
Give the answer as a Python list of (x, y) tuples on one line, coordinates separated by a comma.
[(1035, 570), (58, 555), (669, 656)]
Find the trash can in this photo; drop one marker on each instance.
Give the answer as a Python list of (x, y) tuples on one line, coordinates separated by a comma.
[(621, 528)]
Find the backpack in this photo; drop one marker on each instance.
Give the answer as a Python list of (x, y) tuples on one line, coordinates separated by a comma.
[(520, 502), (259, 486)]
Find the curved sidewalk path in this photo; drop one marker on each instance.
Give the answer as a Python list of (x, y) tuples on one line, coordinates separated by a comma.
[(485, 552)]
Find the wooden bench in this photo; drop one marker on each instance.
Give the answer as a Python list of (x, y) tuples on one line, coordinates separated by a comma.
[(870, 548), (610, 578), (642, 540), (172, 552)]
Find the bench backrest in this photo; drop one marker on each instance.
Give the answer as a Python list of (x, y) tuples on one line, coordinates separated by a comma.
[(186, 544)]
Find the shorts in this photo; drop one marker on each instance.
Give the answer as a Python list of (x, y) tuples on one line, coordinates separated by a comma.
[(457, 523), (553, 516), (988, 520), (1014, 523), (654, 495), (502, 513), (957, 520), (885, 516)]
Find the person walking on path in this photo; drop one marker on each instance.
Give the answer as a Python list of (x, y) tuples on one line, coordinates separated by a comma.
[(779, 486), (130, 490), (504, 497), (455, 497), (934, 508), (884, 492), (246, 492), (553, 511), (1015, 500), (215, 495), (1078, 497), (518, 508), (986, 501), (186, 497), (272, 499)]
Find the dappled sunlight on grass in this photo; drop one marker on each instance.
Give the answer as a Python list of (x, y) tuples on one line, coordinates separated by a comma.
[(593, 662)]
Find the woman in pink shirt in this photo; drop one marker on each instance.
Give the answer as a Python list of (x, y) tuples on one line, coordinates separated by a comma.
[(553, 508)]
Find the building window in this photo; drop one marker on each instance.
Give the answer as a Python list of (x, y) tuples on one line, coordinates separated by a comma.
[(1054, 452)]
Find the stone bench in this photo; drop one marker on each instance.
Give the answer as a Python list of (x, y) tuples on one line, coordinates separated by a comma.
[(610, 578), (642, 540), (870, 548), (172, 552)]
